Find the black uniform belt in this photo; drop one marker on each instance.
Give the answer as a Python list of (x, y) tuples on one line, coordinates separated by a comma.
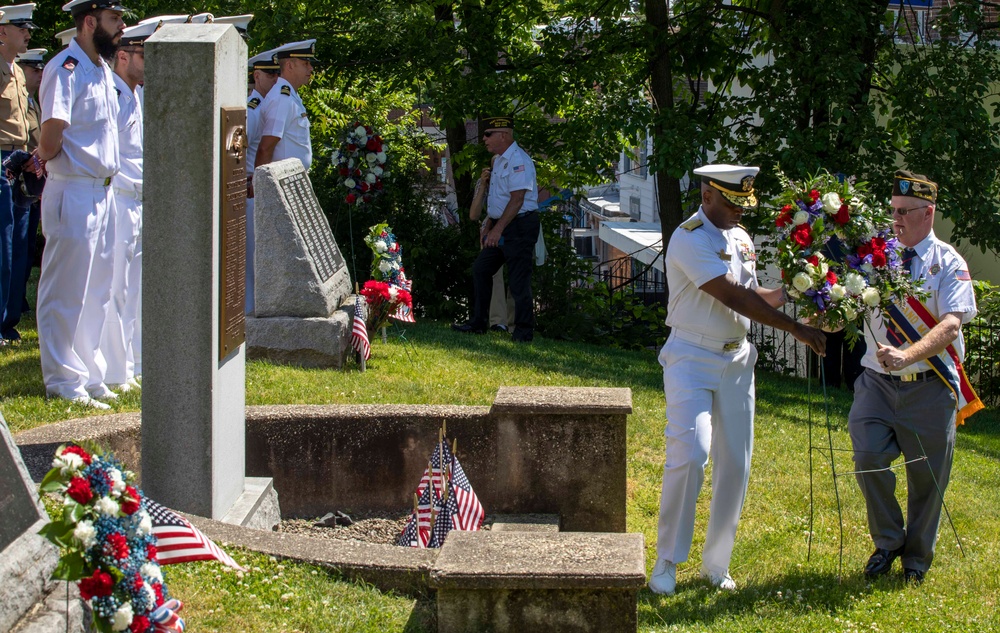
[(917, 377)]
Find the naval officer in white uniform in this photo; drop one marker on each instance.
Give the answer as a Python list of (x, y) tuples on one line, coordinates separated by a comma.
[(79, 141), (708, 375), (283, 119)]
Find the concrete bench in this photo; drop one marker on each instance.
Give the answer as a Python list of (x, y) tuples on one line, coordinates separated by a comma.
[(532, 581)]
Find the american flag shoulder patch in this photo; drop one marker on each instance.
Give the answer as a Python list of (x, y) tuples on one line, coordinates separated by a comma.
[(518, 169), (963, 275)]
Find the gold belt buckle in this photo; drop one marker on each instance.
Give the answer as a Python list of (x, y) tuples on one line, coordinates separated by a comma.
[(107, 181), (908, 378), (732, 346)]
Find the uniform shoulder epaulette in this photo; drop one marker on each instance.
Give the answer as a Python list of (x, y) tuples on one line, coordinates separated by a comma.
[(691, 224), (253, 103), (70, 64), (286, 90)]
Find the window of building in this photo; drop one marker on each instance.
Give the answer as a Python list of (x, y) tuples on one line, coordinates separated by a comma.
[(635, 207)]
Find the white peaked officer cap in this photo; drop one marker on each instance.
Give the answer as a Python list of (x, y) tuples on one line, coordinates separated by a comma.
[(734, 182), (306, 49), (263, 61), (76, 7), (166, 19), (137, 35), (241, 22), (19, 15), (65, 37), (201, 18), (34, 57)]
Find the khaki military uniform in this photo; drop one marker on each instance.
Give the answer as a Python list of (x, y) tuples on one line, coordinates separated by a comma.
[(13, 108), (34, 124)]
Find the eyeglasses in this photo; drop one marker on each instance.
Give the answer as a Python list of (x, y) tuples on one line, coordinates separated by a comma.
[(902, 211), (490, 133)]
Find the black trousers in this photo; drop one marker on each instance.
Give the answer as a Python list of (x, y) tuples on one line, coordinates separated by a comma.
[(518, 252)]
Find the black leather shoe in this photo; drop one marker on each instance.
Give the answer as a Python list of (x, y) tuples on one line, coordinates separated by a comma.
[(468, 328), (881, 562), (914, 576), (521, 335)]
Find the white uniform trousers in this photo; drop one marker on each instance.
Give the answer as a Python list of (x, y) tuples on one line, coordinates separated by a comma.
[(75, 285), (250, 251), (121, 344), (710, 409)]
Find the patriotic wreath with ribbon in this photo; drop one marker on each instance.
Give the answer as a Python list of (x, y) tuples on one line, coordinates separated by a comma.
[(388, 292), (838, 256), (106, 542), (360, 164)]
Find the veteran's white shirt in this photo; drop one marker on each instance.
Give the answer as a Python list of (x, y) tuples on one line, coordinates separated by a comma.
[(946, 277), (512, 171), (285, 117), (82, 94), (699, 252), (130, 124)]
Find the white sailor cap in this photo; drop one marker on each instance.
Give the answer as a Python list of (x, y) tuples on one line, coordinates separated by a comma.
[(19, 15), (166, 19), (138, 34), (201, 18), (34, 57), (76, 7), (241, 22), (735, 182), (263, 61), (65, 37), (306, 49)]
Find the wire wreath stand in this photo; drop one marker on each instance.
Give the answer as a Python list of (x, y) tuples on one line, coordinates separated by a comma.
[(829, 451)]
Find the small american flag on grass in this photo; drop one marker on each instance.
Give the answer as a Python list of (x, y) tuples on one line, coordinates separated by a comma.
[(177, 541), (359, 332)]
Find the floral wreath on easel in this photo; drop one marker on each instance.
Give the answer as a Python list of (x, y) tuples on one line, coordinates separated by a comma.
[(360, 164)]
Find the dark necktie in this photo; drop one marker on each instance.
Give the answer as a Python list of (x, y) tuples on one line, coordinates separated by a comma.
[(908, 255)]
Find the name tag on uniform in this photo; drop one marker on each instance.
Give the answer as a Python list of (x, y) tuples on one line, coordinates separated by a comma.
[(724, 256)]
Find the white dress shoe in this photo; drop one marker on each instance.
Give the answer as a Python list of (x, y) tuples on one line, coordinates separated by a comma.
[(101, 392), (121, 387), (87, 401), (721, 581), (132, 382), (664, 578)]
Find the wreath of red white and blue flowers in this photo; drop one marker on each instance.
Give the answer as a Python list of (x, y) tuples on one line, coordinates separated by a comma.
[(360, 164)]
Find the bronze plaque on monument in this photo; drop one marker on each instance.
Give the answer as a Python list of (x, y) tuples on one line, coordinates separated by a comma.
[(233, 230)]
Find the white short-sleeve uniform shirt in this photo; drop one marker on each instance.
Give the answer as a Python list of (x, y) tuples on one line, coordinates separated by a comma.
[(285, 117), (699, 252), (512, 171), (129, 177), (254, 108), (82, 94)]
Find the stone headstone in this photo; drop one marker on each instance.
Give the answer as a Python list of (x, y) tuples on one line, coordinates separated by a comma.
[(299, 269), (194, 388), (26, 559), (300, 279)]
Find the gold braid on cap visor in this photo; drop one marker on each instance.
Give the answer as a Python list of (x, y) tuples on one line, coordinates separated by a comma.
[(745, 199)]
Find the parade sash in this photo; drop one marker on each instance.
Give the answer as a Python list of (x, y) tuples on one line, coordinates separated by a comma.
[(913, 321)]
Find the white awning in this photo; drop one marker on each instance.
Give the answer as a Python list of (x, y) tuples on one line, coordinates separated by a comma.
[(641, 240)]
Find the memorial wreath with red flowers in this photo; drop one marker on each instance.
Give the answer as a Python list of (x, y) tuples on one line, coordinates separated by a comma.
[(106, 542), (360, 164), (388, 292), (837, 253)]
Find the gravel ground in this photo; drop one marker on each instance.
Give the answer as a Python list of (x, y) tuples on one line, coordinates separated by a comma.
[(372, 528)]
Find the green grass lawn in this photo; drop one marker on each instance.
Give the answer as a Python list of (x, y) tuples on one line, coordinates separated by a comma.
[(781, 590)]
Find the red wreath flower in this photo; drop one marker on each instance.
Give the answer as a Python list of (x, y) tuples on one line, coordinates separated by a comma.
[(350, 198), (79, 490), (99, 585), (802, 235), (116, 546), (784, 217), (140, 624), (151, 551), (130, 505), (814, 194), (843, 215), (78, 450), (831, 277)]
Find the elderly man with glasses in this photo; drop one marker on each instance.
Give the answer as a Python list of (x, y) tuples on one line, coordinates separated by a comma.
[(911, 393)]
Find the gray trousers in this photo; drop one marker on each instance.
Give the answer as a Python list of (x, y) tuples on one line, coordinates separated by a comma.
[(886, 419)]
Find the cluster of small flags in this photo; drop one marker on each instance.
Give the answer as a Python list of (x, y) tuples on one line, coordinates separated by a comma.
[(444, 500)]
